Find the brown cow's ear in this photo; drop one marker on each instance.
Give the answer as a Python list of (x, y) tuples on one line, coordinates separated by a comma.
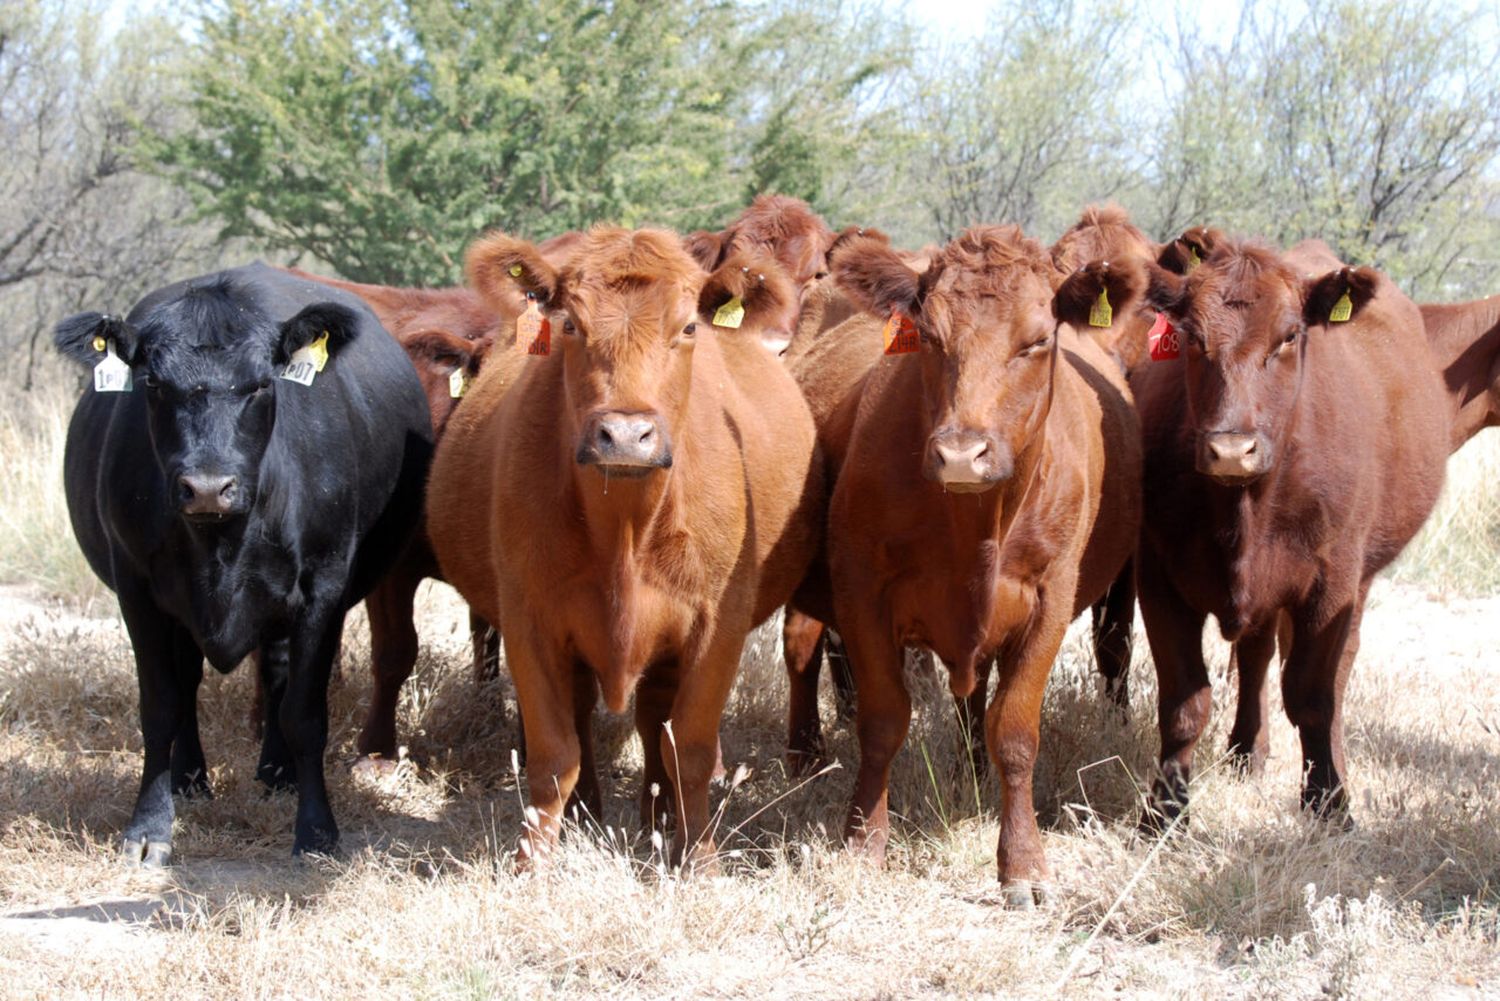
[(1190, 249), (749, 290), (1077, 301), (441, 351), (842, 238), (1164, 290), (497, 264), (874, 275), (1338, 296), (707, 248)]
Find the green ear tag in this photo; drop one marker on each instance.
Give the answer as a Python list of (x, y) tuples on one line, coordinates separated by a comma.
[(458, 383), (1100, 313), (1193, 259), (1342, 310), (731, 314), (100, 344), (515, 270)]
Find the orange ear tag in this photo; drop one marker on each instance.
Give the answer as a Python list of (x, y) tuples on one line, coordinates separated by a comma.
[(1163, 340), (533, 331), (900, 334)]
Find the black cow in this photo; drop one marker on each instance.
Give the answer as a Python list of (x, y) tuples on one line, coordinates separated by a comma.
[(234, 510)]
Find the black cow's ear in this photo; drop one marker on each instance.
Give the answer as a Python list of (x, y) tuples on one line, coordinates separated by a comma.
[(1099, 291), (1338, 296), (85, 338), (339, 323), (875, 276)]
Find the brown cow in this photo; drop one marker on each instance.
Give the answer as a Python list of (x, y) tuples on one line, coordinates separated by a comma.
[(1105, 233), (649, 493), (990, 492), (1290, 453)]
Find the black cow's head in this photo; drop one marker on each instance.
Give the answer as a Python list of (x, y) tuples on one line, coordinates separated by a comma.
[(207, 364)]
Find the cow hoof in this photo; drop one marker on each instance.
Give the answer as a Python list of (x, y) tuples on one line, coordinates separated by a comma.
[(316, 841), (374, 768), (1158, 819), (192, 787), (801, 764), (276, 779), (1025, 894), (141, 853)]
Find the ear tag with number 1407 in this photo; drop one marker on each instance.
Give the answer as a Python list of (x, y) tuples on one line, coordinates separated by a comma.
[(111, 375)]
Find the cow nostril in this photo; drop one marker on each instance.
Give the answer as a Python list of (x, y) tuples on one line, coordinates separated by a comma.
[(605, 438), (647, 435), (185, 489), (226, 492), (1250, 447)]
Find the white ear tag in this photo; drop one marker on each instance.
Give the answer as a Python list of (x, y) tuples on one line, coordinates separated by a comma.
[(307, 361), (112, 375)]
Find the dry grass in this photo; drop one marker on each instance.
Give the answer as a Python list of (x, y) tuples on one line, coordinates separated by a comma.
[(1458, 550), (1252, 900)]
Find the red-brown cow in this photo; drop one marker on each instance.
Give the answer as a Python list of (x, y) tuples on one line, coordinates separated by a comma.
[(1105, 233), (1290, 453), (990, 492), (649, 493)]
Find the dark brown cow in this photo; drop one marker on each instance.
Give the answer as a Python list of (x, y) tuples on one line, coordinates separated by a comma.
[(990, 492), (649, 493), (1290, 453)]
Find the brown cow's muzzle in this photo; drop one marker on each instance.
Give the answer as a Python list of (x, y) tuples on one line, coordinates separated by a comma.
[(966, 461), (1234, 458), (624, 444)]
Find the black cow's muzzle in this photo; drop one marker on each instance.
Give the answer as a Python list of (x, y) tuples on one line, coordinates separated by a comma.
[(208, 497)]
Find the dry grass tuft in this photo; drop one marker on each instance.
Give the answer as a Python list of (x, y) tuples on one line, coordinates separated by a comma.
[(1252, 899)]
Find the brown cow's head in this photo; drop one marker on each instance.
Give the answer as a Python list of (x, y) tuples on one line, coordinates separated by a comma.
[(1244, 318), (985, 311), (626, 310), (776, 226)]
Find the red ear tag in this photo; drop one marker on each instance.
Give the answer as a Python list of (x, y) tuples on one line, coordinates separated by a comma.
[(533, 331), (1163, 340), (900, 334)]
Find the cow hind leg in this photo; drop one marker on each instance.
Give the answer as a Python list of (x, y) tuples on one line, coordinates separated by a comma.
[(189, 768), (1114, 618), (843, 677), (586, 800), (1250, 738), (802, 644), (1175, 631), (393, 655), (277, 768), (653, 708), (970, 711), (690, 750)]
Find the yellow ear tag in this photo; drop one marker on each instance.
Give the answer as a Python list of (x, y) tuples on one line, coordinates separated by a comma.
[(307, 361), (515, 270), (533, 331), (1100, 313), (458, 383), (100, 344), (731, 314), (1193, 259), (1342, 310)]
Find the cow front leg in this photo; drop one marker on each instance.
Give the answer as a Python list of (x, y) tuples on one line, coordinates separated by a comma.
[(189, 767), (1114, 620), (544, 681), (1184, 699), (163, 651), (1324, 645), (277, 768), (882, 718), (304, 725), (1013, 729), (690, 749)]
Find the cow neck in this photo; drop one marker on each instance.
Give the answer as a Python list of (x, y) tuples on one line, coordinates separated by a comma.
[(1465, 342)]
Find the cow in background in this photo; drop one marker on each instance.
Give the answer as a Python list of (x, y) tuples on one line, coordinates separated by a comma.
[(649, 494), (250, 463)]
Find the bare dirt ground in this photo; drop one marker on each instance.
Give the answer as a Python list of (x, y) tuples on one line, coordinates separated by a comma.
[(1253, 900)]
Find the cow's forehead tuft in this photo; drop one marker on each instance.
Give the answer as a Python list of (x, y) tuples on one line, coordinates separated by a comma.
[(214, 331)]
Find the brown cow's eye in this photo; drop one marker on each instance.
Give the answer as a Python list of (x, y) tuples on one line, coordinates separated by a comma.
[(568, 327), (690, 330), (1036, 347)]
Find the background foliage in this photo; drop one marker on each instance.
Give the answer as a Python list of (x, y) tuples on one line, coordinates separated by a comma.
[(375, 138)]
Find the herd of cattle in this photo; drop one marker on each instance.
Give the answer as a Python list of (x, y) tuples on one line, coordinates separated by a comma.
[(626, 449)]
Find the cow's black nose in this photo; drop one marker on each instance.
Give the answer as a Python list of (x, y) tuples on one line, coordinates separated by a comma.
[(207, 493)]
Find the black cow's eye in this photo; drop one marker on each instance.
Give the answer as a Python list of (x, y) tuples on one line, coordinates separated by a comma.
[(690, 330), (568, 327)]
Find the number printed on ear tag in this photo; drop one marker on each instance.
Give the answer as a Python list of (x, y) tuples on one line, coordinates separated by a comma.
[(1342, 310), (1163, 340), (900, 334), (112, 375), (1100, 313), (533, 331), (731, 314), (307, 361)]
